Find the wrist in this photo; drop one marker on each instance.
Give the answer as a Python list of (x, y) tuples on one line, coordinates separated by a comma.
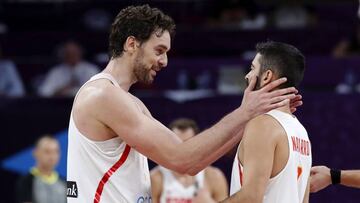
[(335, 176), (245, 114)]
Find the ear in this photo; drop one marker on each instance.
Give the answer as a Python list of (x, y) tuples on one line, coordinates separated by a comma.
[(267, 77), (131, 44)]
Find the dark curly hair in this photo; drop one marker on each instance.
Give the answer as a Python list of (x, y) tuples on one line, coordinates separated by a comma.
[(140, 22)]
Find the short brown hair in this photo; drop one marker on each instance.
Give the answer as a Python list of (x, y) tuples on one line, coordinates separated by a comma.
[(44, 137), (140, 22), (183, 124)]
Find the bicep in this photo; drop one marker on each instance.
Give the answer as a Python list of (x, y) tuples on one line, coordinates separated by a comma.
[(145, 134)]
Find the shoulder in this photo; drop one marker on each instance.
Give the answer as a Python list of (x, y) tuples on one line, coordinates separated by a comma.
[(141, 104), (102, 91), (136, 99), (263, 126), (213, 174), (101, 97), (213, 171), (156, 179)]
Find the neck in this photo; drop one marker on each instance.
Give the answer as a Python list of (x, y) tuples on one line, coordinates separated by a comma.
[(120, 69), (179, 175), (44, 170), (285, 109)]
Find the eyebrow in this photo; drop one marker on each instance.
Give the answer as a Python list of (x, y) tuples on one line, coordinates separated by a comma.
[(163, 47)]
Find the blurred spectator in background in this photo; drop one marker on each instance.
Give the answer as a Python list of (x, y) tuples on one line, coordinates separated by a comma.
[(239, 14), (169, 186), (66, 78), (43, 184), (349, 46), (10, 82), (292, 14)]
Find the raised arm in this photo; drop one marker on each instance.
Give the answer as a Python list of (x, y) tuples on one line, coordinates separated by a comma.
[(115, 109)]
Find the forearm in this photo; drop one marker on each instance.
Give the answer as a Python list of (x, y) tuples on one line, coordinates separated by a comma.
[(209, 145), (350, 178), (217, 154)]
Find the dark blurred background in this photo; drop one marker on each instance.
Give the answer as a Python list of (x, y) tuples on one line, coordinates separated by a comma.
[(210, 55)]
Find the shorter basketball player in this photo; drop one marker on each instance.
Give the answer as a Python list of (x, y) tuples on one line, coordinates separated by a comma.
[(273, 161), (171, 187)]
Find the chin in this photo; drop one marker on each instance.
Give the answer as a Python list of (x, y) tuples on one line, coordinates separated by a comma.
[(147, 81)]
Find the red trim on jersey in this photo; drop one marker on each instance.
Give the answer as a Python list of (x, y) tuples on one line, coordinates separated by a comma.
[(241, 174), (108, 174)]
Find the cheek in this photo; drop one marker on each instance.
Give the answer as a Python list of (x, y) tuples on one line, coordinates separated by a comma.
[(250, 75)]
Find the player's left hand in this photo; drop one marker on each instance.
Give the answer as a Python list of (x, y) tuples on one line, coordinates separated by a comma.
[(320, 178), (296, 102)]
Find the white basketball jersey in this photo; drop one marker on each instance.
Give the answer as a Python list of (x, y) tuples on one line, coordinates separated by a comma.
[(290, 184), (174, 192), (109, 171)]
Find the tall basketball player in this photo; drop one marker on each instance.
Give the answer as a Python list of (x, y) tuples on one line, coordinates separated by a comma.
[(273, 161), (171, 187), (111, 132)]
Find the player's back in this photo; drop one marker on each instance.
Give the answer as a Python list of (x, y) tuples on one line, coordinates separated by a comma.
[(289, 185)]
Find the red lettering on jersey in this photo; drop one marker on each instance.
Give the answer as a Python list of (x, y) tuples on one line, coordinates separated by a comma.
[(300, 145), (178, 200), (293, 139)]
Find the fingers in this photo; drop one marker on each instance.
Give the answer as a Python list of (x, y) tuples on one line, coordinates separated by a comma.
[(297, 98), (273, 84), (279, 92), (279, 104), (316, 168), (281, 98), (252, 84), (296, 104)]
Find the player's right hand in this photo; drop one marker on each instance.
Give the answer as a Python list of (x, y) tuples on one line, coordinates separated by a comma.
[(257, 102)]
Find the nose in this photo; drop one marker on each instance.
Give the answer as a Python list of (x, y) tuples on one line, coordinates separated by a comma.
[(247, 76), (163, 60)]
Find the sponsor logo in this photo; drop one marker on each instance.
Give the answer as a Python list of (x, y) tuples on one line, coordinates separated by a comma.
[(72, 190), (144, 199)]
